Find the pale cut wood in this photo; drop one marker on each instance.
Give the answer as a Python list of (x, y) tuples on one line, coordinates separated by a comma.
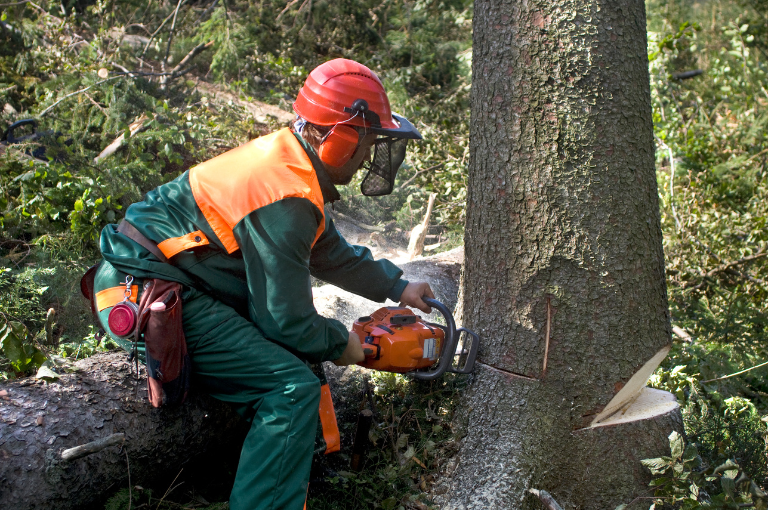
[(546, 499), (419, 233), (93, 447), (135, 127)]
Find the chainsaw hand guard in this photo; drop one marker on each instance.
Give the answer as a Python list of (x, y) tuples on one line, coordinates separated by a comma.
[(452, 338)]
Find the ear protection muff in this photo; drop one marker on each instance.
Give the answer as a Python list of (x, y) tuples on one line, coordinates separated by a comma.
[(338, 145)]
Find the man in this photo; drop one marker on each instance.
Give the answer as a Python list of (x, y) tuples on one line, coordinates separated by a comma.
[(243, 233)]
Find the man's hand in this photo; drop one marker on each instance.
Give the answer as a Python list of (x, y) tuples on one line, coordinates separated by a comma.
[(353, 353), (412, 296)]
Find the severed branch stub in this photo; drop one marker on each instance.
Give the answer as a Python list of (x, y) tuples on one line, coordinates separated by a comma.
[(93, 447), (546, 499)]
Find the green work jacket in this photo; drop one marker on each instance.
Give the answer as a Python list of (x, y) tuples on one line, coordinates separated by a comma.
[(248, 228)]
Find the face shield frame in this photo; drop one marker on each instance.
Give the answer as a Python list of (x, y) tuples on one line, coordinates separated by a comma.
[(388, 155)]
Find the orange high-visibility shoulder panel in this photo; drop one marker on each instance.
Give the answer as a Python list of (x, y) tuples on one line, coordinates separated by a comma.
[(232, 185), (108, 297)]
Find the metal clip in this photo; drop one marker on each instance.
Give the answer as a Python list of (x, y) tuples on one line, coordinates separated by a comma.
[(127, 283)]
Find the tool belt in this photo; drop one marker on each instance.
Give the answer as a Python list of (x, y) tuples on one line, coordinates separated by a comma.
[(159, 321)]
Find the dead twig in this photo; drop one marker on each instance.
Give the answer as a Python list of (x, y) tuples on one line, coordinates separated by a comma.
[(93, 447), (734, 374), (287, 6), (418, 172), (130, 488), (170, 35), (95, 103), (152, 36), (170, 489)]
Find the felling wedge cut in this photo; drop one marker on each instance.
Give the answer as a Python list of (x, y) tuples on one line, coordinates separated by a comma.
[(633, 390)]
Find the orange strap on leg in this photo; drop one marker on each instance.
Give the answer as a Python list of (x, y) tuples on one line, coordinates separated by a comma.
[(328, 421)]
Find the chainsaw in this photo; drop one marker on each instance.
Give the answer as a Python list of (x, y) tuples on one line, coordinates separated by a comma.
[(396, 340)]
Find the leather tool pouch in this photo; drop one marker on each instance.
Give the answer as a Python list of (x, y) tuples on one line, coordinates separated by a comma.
[(168, 364), (86, 288)]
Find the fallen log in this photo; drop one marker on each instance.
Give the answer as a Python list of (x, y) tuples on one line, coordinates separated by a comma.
[(85, 413), (39, 421)]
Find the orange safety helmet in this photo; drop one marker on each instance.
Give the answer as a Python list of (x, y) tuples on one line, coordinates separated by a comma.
[(344, 94)]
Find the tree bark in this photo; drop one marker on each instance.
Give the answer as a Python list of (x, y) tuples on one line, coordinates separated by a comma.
[(564, 269), (39, 420)]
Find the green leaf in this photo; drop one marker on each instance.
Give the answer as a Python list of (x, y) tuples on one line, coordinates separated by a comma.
[(45, 373), (389, 503), (691, 454), (13, 346), (79, 205), (676, 445), (657, 466)]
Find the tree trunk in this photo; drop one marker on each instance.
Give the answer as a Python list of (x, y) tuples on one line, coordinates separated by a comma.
[(564, 268), (38, 421)]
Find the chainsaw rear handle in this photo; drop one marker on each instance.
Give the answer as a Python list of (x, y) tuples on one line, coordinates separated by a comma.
[(10, 137), (452, 336)]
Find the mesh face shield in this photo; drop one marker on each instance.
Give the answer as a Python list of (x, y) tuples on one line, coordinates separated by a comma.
[(388, 156)]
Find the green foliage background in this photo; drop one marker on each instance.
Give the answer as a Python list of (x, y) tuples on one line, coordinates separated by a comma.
[(67, 64)]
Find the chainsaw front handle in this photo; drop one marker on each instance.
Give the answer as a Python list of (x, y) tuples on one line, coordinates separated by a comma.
[(452, 336)]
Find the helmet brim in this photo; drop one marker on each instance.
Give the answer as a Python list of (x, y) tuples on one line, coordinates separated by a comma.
[(405, 131)]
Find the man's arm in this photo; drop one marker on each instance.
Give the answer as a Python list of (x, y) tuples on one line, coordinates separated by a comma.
[(353, 268), (276, 242)]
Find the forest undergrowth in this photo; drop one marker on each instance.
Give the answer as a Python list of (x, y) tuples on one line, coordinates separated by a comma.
[(89, 72)]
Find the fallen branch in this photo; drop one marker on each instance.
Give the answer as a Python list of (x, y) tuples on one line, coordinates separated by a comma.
[(135, 127), (729, 268), (177, 71), (684, 75), (75, 93), (418, 172), (416, 245), (96, 446), (734, 374), (170, 35), (152, 36), (546, 499)]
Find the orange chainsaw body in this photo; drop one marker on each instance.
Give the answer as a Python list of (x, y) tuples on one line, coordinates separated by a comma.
[(396, 340)]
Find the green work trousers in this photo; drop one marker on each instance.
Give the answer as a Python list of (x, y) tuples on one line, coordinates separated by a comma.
[(271, 388)]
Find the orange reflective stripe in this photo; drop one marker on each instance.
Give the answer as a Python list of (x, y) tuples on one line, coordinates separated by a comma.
[(172, 246), (328, 421), (110, 296), (256, 174)]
